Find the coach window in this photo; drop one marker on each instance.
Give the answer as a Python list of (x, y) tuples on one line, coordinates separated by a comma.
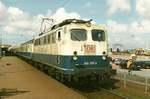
[(39, 41), (54, 38), (50, 38), (44, 39), (78, 34), (59, 35), (47, 39), (35, 42), (98, 35)]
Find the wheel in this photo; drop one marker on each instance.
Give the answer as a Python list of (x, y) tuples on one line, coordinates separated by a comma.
[(147, 67), (49, 72), (62, 77)]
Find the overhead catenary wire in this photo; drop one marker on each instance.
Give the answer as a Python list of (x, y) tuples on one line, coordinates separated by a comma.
[(50, 21), (65, 3)]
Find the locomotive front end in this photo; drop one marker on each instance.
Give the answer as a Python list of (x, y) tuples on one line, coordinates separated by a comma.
[(86, 49)]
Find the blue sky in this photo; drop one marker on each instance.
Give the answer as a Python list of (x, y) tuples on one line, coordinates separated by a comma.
[(95, 10), (128, 21)]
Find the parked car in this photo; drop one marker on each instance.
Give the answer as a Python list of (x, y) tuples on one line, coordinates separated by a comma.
[(121, 62)]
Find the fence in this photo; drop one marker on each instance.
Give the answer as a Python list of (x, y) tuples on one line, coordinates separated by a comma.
[(126, 78)]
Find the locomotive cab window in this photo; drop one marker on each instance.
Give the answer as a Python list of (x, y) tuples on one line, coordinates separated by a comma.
[(78, 34), (98, 35)]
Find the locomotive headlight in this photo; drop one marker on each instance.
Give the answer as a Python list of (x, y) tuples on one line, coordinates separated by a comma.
[(104, 57), (75, 55), (75, 58)]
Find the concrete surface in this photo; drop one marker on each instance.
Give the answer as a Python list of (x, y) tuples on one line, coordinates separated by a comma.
[(30, 83)]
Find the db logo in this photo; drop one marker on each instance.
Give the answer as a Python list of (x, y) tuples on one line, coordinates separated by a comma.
[(89, 49)]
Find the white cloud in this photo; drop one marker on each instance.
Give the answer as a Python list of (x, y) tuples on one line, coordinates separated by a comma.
[(124, 33), (9, 29), (116, 27), (143, 8), (141, 27), (17, 23), (118, 5), (137, 27), (15, 11), (3, 10), (61, 14)]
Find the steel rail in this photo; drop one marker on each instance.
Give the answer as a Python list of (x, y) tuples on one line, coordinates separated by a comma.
[(114, 93)]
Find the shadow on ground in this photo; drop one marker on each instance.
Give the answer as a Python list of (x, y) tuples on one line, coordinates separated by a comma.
[(7, 92)]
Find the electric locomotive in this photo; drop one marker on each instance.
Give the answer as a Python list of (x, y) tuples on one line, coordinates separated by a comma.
[(71, 50)]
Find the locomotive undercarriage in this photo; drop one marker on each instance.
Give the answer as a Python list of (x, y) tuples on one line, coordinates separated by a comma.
[(80, 76)]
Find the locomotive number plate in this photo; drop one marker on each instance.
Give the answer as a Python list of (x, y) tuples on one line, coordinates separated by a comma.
[(89, 49)]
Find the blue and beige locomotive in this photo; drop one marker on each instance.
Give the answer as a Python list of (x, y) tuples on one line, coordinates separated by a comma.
[(71, 50)]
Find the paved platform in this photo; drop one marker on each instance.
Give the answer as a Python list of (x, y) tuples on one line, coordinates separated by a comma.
[(20, 80)]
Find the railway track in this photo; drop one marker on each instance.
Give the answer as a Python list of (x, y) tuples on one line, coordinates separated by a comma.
[(116, 95), (113, 90), (97, 91), (102, 93)]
